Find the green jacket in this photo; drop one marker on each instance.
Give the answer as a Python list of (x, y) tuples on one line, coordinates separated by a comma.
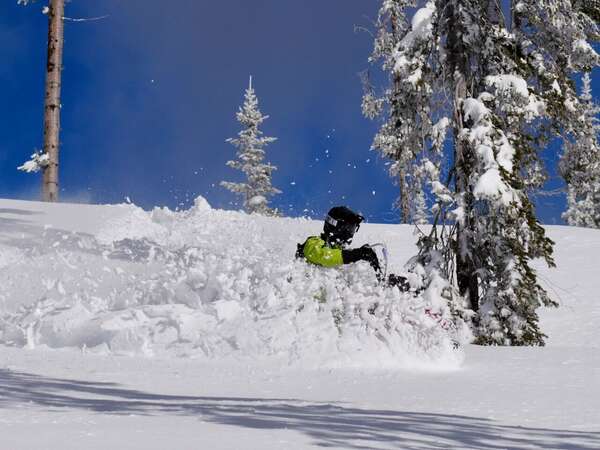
[(317, 252)]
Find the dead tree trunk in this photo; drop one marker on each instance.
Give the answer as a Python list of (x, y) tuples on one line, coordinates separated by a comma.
[(52, 100)]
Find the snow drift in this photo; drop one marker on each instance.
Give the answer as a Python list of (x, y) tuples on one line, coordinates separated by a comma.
[(203, 283)]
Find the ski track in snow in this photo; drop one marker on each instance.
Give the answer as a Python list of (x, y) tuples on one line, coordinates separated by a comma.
[(131, 373)]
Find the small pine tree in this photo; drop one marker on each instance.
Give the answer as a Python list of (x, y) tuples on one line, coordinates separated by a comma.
[(581, 164), (250, 156)]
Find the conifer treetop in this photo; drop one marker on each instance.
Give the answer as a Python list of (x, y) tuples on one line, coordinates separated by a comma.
[(250, 143)]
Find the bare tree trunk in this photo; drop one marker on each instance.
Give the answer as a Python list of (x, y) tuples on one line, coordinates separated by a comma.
[(404, 198), (405, 212), (52, 101), (468, 284)]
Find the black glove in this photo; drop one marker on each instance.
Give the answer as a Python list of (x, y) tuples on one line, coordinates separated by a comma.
[(364, 253), (399, 281)]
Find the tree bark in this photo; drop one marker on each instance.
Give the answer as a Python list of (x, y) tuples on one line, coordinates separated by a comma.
[(405, 202), (405, 210), (468, 284), (466, 277), (52, 99)]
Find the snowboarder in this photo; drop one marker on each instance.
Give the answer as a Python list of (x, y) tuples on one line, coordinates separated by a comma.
[(329, 249)]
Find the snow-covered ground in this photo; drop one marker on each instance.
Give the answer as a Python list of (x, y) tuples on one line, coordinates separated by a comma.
[(197, 329)]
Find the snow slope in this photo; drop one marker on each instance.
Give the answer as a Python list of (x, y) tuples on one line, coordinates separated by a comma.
[(203, 284), (117, 332)]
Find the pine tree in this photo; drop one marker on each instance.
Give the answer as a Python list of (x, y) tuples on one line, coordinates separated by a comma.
[(401, 135), (250, 156), (555, 36), (496, 120), (581, 164), (463, 67)]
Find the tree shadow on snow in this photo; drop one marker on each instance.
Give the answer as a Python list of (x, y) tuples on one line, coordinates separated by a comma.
[(328, 424), (19, 212)]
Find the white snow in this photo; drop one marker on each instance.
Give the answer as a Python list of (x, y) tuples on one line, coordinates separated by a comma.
[(415, 77), (36, 163), (509, 83), (421, 30), (257, 200), (205, 371), (570, 105), (208, 284), (490, 185), (583, 46), (475, 110), (421, 25), (556, 87), (506, 153)]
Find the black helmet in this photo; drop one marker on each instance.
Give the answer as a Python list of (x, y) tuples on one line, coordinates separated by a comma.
[(340, 225)]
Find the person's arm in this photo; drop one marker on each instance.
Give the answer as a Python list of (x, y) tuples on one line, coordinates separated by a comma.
[(316, 252), (364, 253)]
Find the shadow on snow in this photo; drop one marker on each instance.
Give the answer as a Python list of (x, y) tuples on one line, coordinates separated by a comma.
[(328, 424)]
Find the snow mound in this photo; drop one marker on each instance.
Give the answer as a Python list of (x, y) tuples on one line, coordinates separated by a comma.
[(214, 284)]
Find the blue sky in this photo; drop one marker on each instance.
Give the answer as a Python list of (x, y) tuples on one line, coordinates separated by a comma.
[(150, 95)]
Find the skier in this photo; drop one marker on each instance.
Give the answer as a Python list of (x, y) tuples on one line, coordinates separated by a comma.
[(329, 250)]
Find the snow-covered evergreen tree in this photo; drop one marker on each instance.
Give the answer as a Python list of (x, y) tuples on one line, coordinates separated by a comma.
[(581, 164), (461, 65), (496, 120), (250, 159), (404, 129), (555, 37)]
